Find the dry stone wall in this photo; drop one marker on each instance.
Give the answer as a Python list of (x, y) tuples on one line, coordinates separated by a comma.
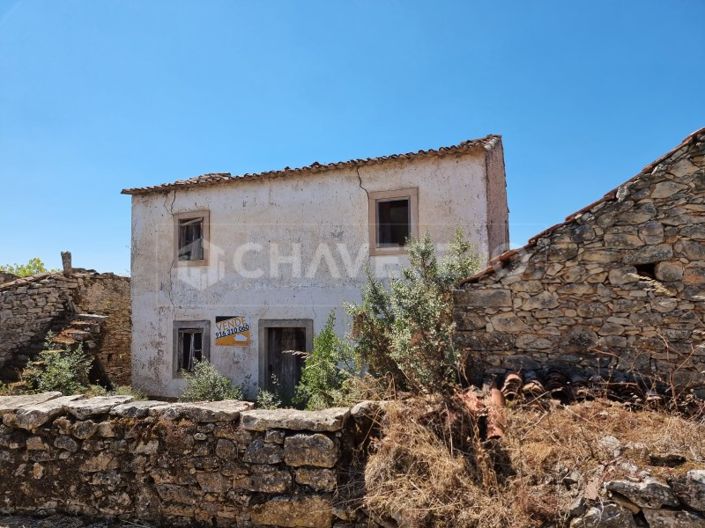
[(174, 464), (29, 307), (618, 288)]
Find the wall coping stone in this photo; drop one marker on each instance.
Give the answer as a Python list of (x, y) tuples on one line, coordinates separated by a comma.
[(31, 417), (326, 420), (136, 409), (12, 403), (82, 409), (217, 411)]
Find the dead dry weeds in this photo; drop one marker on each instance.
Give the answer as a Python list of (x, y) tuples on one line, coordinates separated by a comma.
[(553, 455)]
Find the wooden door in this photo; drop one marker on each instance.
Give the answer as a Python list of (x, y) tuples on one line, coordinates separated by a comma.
[(283, 367)]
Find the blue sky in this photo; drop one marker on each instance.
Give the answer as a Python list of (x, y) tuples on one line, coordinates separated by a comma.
[(97, 95)]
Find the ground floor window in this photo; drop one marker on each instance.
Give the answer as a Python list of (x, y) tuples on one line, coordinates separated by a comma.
[(191, 344)]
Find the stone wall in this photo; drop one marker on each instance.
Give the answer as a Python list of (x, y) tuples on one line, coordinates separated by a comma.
[(31, 306), (6, 277), (178, 464), (617, 288), (109, 295)]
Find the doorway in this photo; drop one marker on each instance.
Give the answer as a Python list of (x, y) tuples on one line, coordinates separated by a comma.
[(279, 367)]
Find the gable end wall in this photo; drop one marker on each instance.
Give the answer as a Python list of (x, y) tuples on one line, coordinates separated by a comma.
[(581, 298)]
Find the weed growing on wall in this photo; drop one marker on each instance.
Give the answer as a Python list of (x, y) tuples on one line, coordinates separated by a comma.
[(326, 369), (267, 400), (205, 383), (406, 329)]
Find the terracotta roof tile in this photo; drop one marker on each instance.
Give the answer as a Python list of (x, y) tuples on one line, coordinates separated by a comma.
[(215, 178)]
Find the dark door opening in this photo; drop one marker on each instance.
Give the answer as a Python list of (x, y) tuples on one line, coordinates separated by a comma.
[(281, 370)]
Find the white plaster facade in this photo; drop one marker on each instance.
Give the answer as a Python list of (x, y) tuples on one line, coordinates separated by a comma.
[(318, 215)]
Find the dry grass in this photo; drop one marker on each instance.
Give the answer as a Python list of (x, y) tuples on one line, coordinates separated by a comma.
[(415, 477)]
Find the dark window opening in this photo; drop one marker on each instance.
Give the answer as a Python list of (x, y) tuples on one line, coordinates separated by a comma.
[(191, 239), (393, 222), (190, 348), (285, 361), (646, 270)]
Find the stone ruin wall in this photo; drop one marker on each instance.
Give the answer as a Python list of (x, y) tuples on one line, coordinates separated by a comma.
[(618, 288), (31, 306), (177, 464), (109, 295)]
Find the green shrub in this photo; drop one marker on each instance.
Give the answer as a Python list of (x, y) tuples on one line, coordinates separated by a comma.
[(59, 370), (205, 383), (406, 330), (326, 368), (267, 400), (33, 267)]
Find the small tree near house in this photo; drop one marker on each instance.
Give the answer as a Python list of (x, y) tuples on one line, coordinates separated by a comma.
[(406, 330)]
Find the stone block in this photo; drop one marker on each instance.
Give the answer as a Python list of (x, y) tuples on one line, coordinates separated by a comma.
[(32, 416), (508, 322), (649, 254), (669, 271), (310, 450), (673, 519), (12, 403), (484, 298), (303, 511), (327, 420), (649, 493), (264, 479), (136, 409), (258, 452), (316, 479), (690, 489), (217, 411)]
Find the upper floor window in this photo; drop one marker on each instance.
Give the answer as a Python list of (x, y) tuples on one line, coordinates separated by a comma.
[(191, 237), (393, 220)]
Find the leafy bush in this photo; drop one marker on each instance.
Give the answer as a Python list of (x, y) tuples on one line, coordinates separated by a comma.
[(267, 400), (59, 370), (406, 330), (205, 383), (33, 267), (327, 367)]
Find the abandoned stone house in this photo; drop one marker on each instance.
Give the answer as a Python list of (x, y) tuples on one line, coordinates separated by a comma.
[(617, 289), (240, 269), (78, 306)]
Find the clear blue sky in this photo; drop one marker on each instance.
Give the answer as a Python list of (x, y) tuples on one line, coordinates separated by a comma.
[(97, 95)]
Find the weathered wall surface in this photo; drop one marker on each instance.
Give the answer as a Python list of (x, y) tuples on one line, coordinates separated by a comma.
[(210, 464), (497, 208), (109, 295), (6, 277), (259, 228), (31, 306), (620, 285)]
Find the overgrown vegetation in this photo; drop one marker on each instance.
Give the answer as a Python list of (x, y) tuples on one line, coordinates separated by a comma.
[(205, 383), (63, 370), (326, 370), (32, 267), (267, 400), (406, 330)]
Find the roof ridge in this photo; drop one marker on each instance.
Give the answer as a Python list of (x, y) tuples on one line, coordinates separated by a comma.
[(487, 142)]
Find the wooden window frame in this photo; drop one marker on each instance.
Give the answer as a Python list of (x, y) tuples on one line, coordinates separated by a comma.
[(202, 324), (200, 213), (412, 194)]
